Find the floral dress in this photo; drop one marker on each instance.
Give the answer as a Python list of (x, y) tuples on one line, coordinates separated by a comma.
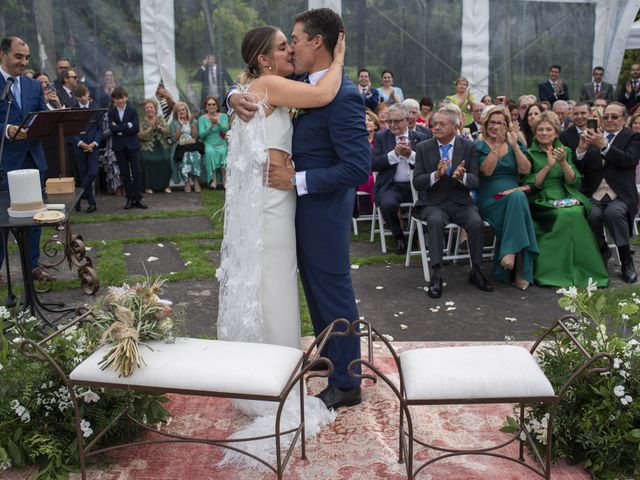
[(190, 166)]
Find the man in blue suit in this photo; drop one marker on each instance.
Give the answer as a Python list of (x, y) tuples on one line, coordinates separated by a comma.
[(20, 153), (554, 88), (85, 148), (332, 157), (125, 125)]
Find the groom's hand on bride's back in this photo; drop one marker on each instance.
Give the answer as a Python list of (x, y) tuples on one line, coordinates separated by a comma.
[(243, 104)]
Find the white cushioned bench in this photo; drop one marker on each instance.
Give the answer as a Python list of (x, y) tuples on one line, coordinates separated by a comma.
[(194, 366), (475, 375)]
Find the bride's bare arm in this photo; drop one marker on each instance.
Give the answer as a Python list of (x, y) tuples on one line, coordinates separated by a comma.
[(291, 93)]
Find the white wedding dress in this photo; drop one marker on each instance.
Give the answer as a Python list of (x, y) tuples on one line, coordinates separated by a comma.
[(258, 299)]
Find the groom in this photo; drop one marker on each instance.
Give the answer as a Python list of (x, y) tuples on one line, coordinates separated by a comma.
[(332, 156)]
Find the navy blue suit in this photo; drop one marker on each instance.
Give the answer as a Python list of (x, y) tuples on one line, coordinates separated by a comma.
[(21, 154), (126, 146), (547, 92), (330, 144), (87, 162)]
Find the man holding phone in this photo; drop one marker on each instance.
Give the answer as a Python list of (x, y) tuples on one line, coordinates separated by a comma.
[(608, 162)]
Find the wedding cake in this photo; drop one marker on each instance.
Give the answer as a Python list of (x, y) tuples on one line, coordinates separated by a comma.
[(25, 193)]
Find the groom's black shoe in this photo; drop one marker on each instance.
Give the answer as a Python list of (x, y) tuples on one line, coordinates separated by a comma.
[(333, 397)]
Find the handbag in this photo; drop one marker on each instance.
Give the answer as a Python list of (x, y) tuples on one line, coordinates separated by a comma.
[(186, 141)]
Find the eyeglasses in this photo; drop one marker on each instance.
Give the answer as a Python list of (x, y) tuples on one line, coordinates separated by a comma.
[(393, 122), (496, 124), (72, 77), (212, 104), (612, 116)]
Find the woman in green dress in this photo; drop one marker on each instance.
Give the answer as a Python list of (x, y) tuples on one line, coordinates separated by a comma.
[(154, 150), (212, 127), (568, 252), (463, 99), (501, 160)]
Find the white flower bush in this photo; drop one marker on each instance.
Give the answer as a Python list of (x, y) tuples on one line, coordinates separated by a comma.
[(598, 421), (37, 422)]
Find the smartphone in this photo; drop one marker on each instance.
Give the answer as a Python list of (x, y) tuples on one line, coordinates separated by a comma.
[(500, 99), (592, 124), (50, 87)]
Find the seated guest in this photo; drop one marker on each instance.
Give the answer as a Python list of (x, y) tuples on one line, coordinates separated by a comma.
[(531, 115), (413, 112), (608, 162), (212, 127), (393, 157), (382, 111), (85, 148), (370, 95), (388, 93), (561, 109), (596, 88), (569, 254), (475, 126), (426, 110), (634, 125), (446, 170), (501, 160), (546, 106), (554, 88), (571, 136), (373, 126), (487, 100), (524, 102), (154, 149)]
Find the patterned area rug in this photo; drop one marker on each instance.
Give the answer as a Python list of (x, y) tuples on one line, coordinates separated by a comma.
[(362, 444)]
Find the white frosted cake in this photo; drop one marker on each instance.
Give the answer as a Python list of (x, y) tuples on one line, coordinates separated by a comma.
[(25, 193)]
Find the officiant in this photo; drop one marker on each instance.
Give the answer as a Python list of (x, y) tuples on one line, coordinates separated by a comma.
[(19, 153)]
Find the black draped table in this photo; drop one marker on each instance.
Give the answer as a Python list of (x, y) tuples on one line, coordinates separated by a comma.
[(58, 249)]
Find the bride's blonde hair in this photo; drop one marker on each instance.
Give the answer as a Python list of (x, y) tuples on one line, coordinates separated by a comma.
[(256, 42)]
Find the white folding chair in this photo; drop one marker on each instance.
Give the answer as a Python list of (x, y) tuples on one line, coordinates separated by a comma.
[(362, 218), (378, 216)]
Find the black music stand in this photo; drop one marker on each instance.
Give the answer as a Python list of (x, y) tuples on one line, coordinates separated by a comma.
[(60, 123)]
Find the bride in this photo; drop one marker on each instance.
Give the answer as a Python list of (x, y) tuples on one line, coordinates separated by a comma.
[(258, 299)]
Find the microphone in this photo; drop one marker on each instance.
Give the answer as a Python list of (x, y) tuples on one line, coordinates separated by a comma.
[(6, 89)]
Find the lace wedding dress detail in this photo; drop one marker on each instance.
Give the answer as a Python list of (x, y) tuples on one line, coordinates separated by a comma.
[(240, 274), (258, 300)]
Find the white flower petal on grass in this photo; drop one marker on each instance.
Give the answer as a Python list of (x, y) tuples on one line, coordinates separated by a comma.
[(400, 313), (403, 326), (395, 315), (160, 245), (449, 304), (186, 264), (379, 287), (88, 249), (355, 267), (388, 337), (510, 319), (152, 259), (450, 309), (127, 254)]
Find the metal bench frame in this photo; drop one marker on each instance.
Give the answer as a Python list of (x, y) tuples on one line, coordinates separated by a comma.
[(406, 434), (310, 359)]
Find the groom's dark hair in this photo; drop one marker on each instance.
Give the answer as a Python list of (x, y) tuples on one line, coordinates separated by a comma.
[(324, 22)]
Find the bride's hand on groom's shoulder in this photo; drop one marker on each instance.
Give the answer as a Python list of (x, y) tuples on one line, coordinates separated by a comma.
[(340, 48)]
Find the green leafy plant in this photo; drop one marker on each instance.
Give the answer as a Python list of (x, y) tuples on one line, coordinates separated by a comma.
[(598, 421), (37, 424)]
